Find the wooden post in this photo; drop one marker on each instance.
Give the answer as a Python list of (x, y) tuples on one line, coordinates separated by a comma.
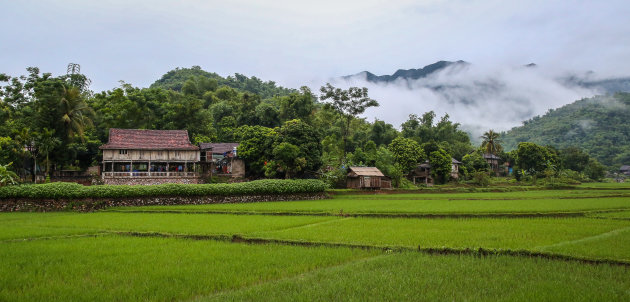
[(167, 169), (149, 168)]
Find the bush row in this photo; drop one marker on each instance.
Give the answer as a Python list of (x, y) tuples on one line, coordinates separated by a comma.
[(59, 190)]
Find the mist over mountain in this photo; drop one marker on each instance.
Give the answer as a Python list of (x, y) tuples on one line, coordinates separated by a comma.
[(480, 97)]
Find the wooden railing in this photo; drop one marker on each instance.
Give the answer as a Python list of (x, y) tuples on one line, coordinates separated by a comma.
[(149, 174)]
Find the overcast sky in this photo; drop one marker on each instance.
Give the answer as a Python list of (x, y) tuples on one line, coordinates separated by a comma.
[(299, 43)]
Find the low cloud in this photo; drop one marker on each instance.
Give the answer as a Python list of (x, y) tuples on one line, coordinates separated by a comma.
[(479, 98)]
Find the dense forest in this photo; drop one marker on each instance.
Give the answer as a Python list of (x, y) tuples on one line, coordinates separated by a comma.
[(58, 122), (599, 125)]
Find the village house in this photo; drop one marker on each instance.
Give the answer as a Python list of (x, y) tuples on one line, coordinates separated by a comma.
[(221, 159), (422, 172), (367, 178), (625, 170), (133, 156), (493, 161)]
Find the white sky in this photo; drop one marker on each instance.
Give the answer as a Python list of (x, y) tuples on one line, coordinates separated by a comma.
[(299, 43)]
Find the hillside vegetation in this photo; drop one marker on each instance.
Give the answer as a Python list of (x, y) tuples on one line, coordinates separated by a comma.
[(178, 78), (600, 125)]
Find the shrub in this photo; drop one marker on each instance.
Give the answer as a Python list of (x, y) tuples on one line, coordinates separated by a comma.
[(481, 178), (59, 190)]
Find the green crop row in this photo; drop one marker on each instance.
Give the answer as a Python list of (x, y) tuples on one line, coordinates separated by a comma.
[(61, 190)]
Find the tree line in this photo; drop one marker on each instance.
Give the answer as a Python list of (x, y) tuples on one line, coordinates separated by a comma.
[(59, 123)]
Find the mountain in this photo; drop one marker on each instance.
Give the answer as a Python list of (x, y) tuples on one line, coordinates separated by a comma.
[(599, 125), (603, 86), (408, 74)]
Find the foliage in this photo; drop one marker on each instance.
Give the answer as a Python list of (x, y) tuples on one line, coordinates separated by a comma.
[(60, 190), (306, 138), (594, 170), (349, 104), (533, 158), (474, 162), (444, 133), (573, 158), (204, 81), (441, 165), (386, 163), (597, 125), (7, 177), (481, 178), (491, 142), (255, 146), (407, 153), (286, 159)]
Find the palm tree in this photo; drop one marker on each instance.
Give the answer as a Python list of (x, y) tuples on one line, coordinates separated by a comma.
[(46, 142), (491, 142), (75, 112)]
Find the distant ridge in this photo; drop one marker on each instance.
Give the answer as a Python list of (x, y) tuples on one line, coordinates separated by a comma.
[(602, 86), (408, 74)]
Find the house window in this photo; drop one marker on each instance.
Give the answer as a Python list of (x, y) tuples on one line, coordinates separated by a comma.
[(203, 156), (122, 151)]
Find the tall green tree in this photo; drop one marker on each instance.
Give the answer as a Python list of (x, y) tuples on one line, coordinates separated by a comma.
[(407, 153), (441, 165), (46, 142), (349, 104), (75, 113), (491, 142), (287, 159), (533, 158)]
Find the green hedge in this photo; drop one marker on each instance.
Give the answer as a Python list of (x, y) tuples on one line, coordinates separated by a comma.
[(59, 190)]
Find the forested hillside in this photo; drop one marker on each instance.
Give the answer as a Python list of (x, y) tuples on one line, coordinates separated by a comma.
[(599, 125), (194, 79)]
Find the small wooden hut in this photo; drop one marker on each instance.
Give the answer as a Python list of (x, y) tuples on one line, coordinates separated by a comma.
[(366, 178)]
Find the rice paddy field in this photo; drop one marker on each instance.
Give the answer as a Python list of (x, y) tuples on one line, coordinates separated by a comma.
[(549, 245)]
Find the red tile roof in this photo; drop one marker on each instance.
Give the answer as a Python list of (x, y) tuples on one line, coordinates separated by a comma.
[(149, 139)]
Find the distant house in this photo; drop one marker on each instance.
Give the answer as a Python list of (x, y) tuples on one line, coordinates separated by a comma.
[(625, 169), (493, 161), (455, 168), (221, 159), (422, 172), (133, 156), (367, 178)]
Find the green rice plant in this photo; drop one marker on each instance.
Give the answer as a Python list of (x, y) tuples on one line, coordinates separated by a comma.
[(409, 204), (610, 245), (418, 277), (44, 224), (515, 233), (117, 268), (616, 214)]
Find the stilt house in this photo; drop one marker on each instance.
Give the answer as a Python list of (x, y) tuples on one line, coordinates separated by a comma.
[(134, 156)]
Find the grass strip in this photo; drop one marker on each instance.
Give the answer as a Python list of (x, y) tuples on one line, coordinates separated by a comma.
[(386, 215), (477, 252), (414, 204)]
